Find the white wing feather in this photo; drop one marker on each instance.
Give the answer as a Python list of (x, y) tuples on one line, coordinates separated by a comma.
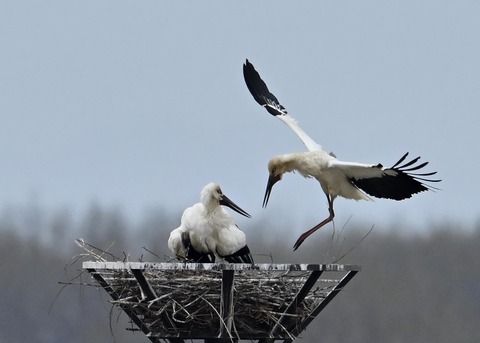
[(293, 124)]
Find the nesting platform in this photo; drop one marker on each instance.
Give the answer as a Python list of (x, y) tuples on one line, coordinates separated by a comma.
[(220, 301)]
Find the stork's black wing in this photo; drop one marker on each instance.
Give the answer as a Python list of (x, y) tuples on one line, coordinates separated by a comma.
[(260, 92), (192, 254), (241, 256), (397, 182)]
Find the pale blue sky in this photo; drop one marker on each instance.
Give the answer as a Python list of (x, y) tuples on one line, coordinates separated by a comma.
[(139, 104)]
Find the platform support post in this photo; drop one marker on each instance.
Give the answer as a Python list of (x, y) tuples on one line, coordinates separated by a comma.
[(226, 304), (147, 291)]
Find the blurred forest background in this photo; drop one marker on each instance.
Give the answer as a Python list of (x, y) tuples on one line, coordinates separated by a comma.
[(413, 287), (143, 103)]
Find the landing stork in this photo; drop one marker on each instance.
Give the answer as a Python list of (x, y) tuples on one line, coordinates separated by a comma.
[(350, 180)]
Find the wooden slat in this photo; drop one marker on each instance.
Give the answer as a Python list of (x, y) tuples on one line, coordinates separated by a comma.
[(226, 304), (146, 288), (219, 266)]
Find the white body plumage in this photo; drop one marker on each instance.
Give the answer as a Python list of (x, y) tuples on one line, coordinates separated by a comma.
[(207, 230)]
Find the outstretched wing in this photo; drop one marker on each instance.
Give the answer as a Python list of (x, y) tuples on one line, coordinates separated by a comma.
[(265, 98), (260, 92), (399, 182)]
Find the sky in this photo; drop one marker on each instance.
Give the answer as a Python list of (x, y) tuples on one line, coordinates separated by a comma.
[(140, 104)]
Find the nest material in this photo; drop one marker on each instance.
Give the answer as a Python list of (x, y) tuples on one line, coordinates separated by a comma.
[(188, 301), (185, 299)]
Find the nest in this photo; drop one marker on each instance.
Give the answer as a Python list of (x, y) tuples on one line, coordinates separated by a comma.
[(186, 300)]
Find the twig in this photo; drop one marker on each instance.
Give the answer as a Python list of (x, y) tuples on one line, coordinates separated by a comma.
[(221, 319), (354, 246), (151, 252), (90, 250)]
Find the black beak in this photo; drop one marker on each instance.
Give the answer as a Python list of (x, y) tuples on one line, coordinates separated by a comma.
[(272, 179), (225, 201)]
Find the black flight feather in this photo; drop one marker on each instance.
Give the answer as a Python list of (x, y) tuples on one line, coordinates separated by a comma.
[(192, 254), (243, 255), (396, 182), (260, 92)]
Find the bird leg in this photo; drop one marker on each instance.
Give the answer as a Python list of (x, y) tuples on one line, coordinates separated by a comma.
[(318, 226)]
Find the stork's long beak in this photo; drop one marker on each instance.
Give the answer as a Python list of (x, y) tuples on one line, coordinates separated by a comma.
[(225, 201), (272, 179)]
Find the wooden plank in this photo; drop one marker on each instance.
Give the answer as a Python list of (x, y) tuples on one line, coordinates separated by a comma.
[(226, 304), (147, 290), (219, 266)]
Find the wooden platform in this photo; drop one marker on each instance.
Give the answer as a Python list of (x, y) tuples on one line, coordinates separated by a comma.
[(218, 301)]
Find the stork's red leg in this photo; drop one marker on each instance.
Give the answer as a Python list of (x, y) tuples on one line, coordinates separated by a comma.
[(318, 226)]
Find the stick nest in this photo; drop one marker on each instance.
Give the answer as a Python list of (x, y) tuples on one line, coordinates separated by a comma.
[(188, 301)]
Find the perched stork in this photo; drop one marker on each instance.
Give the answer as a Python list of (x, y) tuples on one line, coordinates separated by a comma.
[(350, 180), (207, 230)]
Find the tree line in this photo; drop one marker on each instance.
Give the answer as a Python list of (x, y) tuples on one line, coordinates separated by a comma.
[(422, 287)]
